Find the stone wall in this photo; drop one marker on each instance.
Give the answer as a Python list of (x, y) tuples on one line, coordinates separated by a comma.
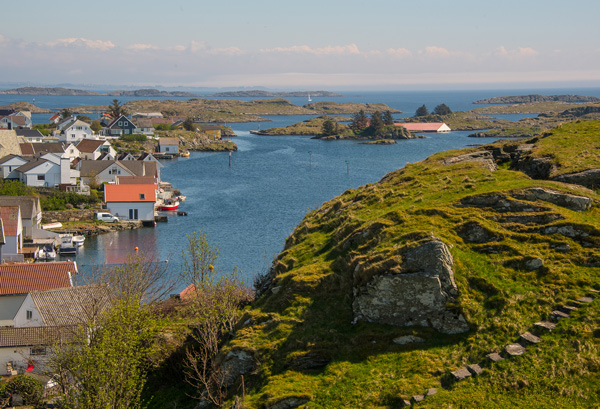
[(68, 215)]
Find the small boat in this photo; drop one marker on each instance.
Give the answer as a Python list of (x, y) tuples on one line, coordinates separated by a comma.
[(78, 240), (309, 98), (169, 204), (67, 246), (181, 198), (185, 154), (46, 253)]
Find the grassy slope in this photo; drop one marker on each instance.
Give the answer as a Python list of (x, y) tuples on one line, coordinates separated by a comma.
[(312, 310)]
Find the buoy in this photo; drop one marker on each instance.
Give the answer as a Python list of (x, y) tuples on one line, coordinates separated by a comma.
[(136, 249)]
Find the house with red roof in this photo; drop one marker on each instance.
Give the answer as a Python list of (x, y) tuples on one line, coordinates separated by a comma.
[(131, 201), (424, 126), (13, 234)]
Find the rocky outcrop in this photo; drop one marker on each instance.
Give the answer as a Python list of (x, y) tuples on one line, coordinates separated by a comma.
[(473, 232), (485, 158), (235, 364), (289, 403), (589, 178), (573, 202), (419, 296)]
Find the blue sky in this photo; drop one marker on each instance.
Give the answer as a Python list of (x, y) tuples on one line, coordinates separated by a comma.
[(380, 44)]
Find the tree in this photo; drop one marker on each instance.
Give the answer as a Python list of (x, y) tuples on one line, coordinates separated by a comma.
[(422, 111), (188, 124), (65, 113), (107, 365), (199, 258), (214, 307), (359, 121), (116, 109), (96, 126), (388, 119), (328, 128), (376, 121), (442, 109)]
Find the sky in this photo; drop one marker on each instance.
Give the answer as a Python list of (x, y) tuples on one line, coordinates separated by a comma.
[(301, 45)]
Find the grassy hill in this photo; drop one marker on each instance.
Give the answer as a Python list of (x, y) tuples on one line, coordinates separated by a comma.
[(520, 248)]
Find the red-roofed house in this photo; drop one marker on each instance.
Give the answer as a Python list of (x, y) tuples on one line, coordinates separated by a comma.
[(92, 149), (13, 233), (27, 277), (424, 126), (131, 202)]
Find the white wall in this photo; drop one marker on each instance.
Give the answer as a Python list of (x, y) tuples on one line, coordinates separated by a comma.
[(8, 168), (168, 148), (121, 210), (20, 357), (21, 316), (51, 173)]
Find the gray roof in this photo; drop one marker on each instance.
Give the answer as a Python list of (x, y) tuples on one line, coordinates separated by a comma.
[(9, 306), (53, 147), (31, 165), (87, 166), (29, 133), (138, 168), (29, 205), (168, 141), (73, 305), (32, 336)]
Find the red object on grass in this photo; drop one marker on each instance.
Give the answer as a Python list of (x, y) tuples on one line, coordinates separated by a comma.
[(29, 368)]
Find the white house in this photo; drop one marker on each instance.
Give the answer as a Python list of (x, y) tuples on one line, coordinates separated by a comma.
[(73, 130), (31, 135), (168, 145), (44, 173), (91, 149), (13, 233), (130, 201), (107, 171), (72, 152), (8, 164)]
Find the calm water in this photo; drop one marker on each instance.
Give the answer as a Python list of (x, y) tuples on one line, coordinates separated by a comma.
[(250, 208)]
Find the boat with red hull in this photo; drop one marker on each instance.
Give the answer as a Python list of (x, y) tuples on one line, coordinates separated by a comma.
[(169, 204)]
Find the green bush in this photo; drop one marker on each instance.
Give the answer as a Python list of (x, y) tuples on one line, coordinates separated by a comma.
[(31, 390), (15, 188), (134, 138), (162, 127), (59, 200)]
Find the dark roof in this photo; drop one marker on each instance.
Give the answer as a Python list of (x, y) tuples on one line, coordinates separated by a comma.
[(31, 165), (72, 305), (87, 166), (52, 147), (137, 180), (89, 145), (6, 112), (27, 149), (29, 133), (24, 278), (32, 336)]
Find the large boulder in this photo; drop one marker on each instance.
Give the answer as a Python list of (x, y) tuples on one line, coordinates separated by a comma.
[(418, 296)]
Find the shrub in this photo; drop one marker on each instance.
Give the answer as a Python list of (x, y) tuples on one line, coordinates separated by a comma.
[(31, 390), (134, 138)]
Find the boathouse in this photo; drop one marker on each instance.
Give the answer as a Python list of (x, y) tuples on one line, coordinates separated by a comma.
[(424, 126)]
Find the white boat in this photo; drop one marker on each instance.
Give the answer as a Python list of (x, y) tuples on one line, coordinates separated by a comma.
[(78, 240), (46, 253), (67, 246), (309, 98)]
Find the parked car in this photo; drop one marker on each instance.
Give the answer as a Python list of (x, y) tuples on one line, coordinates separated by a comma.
[(107, 217)]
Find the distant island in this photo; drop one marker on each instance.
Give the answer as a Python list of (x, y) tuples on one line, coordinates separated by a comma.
[(525, 99), (151, 92), (267, 94)]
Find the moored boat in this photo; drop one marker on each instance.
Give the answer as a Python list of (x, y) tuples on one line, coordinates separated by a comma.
[(78, 240), (46, 253), (67, 246), (169, 204)]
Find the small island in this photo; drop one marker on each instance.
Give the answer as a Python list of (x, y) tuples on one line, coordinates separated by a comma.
[(524, 99)]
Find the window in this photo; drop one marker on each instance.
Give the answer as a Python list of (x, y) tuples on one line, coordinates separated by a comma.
[(37, 351), (142, 196), (166, 149), (41, 177), (29, 314), (120, 123), (133, 214)]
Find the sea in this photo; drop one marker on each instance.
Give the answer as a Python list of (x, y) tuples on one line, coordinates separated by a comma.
[(248, 204)]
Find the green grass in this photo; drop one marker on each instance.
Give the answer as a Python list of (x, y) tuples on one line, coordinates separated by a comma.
[(312, 311)]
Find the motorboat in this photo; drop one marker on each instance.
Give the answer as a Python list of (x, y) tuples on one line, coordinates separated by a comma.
[(46, 253), (78, 240), (169, 204), (67, 246)]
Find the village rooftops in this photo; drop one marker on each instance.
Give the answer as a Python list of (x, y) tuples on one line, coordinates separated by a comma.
[(30, 205), (33, 336), (136, 180), (137, 168), (24, 278), (31, 149), (130, 193), (29, 133), (9, 157), (31, 165), (9, 143)]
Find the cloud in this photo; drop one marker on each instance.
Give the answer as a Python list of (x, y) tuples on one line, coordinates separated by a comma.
[(436, 51), (519, 52), (351, 49), (83, 42), (399, 52), (142, 47)]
